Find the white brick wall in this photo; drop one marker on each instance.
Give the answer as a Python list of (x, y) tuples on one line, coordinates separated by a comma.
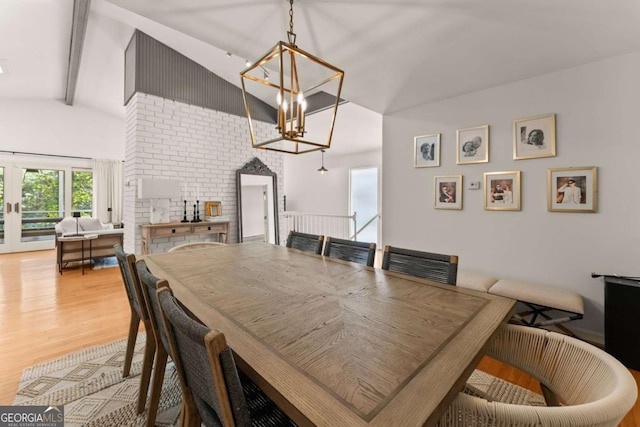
[(173, 140)]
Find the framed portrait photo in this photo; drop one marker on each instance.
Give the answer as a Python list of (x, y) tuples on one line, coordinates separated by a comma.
[(426, 151), (572, 189), (213, 208), (448, 192), (502, 191), (534, 137), (472, 145)]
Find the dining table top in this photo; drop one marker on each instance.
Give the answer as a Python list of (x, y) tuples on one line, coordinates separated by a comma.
[(335, 343)]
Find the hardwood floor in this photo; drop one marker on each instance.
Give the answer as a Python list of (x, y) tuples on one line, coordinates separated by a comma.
[(44, 315)]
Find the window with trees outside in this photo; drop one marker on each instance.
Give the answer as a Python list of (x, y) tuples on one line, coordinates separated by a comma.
[(82, 191), (43, 200)]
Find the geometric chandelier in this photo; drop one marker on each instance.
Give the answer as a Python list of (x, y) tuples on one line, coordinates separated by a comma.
[(289, 78)]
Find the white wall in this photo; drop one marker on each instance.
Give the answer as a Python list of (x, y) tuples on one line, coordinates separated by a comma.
[(310, 191), (51, 127), (596, 108), (356, 143)]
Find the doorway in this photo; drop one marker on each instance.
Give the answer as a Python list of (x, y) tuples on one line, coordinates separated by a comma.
[(364, 201), (255, 218)]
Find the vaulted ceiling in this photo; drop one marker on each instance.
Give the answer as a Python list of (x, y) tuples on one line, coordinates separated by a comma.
[(395, 53)]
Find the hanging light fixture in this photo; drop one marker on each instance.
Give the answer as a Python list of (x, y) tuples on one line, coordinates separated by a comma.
[(295, 77), (322, 168)]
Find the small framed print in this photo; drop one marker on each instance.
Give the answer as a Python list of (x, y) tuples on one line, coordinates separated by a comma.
[(472, 145), (426, 151), (572, 189), (448, 192), (502, 191), (534, 137), (213, 208)]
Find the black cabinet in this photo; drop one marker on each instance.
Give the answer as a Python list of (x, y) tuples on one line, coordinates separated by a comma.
[(622, 320)]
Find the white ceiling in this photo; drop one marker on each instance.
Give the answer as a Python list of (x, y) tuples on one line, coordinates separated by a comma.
[(395, 53)]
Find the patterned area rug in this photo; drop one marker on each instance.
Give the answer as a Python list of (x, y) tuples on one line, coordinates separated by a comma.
[(109, 262), (90, 385)]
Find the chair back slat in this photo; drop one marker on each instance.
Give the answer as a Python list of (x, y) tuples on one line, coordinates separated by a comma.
[(207, 366), (437, 267), (127, 262), (305, 242), (150, 285), (349, 250)]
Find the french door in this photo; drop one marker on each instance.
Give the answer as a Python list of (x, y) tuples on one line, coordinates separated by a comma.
[(33, 198)]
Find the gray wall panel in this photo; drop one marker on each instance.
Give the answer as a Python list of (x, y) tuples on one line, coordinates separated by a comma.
[(161, 71)]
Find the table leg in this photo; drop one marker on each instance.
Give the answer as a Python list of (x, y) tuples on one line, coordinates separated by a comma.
[(82, 256)]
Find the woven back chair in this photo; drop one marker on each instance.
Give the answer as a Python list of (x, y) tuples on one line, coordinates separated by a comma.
[(349, 250), (305, 242), (139, 313), (150, 285), (437, 267), (213, 391), (594, 389), (194, 245)]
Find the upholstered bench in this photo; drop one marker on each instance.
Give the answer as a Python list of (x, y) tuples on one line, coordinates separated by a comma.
[(543, 305)]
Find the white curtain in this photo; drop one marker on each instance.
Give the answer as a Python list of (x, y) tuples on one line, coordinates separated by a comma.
[(108, 188)]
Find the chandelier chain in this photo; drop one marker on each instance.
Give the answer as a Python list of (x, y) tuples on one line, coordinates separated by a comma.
[(290, 34), (291, 15)]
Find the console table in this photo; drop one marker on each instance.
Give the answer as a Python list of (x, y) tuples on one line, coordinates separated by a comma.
[(175, 229), (69, 248)]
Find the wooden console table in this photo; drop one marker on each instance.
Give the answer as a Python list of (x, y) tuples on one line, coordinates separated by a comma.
[(175, 229)]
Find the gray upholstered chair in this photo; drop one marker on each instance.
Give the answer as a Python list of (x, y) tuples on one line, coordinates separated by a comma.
[(139, 313), (214, 392), (350, 250), (437, 267), (150, 284), (582, 385), (195, 245), (305, 242)]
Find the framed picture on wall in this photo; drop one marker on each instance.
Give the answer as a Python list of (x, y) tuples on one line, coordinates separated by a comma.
[(448, 192), (502, 191), (213, 208), (534, 137), (572, 189), (472, 145), (426, 151)]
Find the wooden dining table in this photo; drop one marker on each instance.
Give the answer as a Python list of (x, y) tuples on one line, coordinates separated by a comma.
[(335, 343)]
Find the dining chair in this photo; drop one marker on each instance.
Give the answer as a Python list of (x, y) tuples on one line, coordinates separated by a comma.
[(305, 242), (215, 393), (350, 250), (581, 384), (139, 312), (195, 245), (437, 267), (150, 284)]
